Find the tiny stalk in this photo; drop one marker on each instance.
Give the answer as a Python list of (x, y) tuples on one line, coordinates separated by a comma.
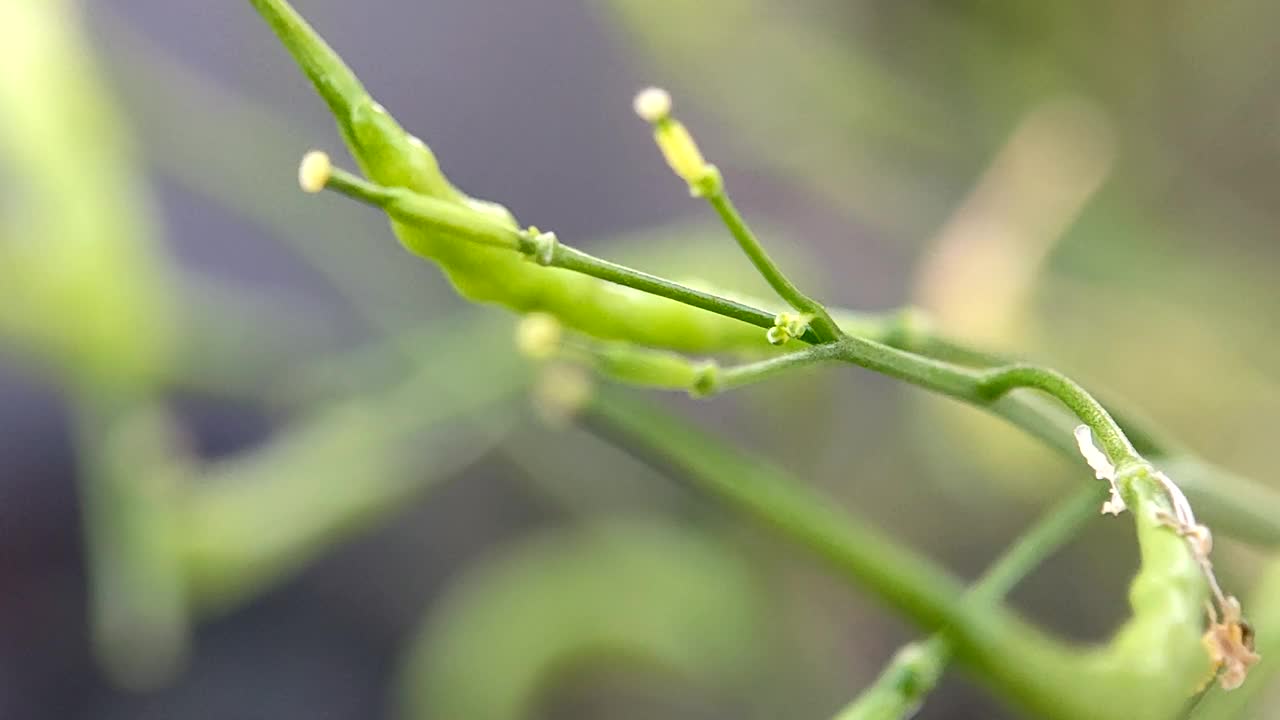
[(681, 152)]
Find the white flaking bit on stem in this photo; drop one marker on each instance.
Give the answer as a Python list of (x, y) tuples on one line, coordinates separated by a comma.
[(1181, 506), (1102, 469), (314, 171), (1229, 640), (652, 104)]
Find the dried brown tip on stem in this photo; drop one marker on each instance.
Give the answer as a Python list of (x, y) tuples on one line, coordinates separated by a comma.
[(1230, 646), (314, 171)]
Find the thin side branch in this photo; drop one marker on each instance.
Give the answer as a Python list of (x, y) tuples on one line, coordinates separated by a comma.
[(915, 669)]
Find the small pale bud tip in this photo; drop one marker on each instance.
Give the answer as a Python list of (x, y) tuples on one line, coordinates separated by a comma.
[(314, 171), (653, 104), (777, 335), (538, 336)]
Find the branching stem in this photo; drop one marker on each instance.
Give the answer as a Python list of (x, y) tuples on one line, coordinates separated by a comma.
[(915, 668), (973, 376), (823, 325)]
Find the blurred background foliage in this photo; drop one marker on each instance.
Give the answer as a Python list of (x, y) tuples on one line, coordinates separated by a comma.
[(256, 461)]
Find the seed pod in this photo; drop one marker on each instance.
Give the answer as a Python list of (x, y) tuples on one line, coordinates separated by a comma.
[(393, 158)]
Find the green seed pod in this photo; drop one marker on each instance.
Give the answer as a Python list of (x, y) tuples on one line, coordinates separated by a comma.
[(393, 158)]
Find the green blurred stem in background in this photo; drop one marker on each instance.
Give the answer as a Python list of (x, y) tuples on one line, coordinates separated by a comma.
[(90, 292), (660, 596), (86, 293), (915, 669), (1156, 650), (131, 484)]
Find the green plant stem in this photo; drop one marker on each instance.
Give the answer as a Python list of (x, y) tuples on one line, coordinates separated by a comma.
[(749, 483), (1156, 650), (449, 218), (998, 382), (915, 669), (577, 261), (129, 496), (823, 325), (1050, 532), (973, 376), (345, 95), (985, 387), (974, 386), (737, 376), (1232, 504), (335, 83)]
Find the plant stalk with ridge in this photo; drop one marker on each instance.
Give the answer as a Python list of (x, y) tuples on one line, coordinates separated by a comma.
[(635, 327)]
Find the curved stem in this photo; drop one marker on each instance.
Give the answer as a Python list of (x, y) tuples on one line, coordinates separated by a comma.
[(1000, 381), (915, 669), (985, 387), (1051, 680)]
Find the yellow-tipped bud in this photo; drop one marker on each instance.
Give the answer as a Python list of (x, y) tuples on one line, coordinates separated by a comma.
[(314, 171), (777, 335), (677, 145), (538, 336), (652, 104)]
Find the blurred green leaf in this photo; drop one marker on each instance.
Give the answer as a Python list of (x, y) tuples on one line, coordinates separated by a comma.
[(85, 284), (132, 478), (665, 598), (255, 519)]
